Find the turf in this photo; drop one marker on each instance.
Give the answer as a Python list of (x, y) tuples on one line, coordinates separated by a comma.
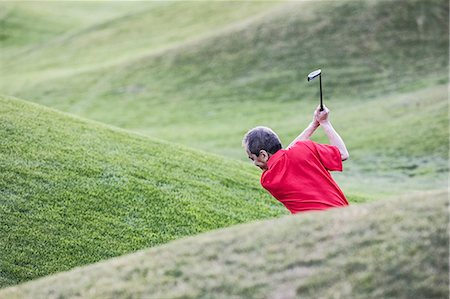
[(74, 192), (203, 84), (394, 248), (93, 35)]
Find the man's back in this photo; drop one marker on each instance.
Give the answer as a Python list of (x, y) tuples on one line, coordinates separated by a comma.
[(299, 177)]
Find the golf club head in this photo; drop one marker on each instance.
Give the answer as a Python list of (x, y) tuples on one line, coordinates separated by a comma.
[(314, 74)]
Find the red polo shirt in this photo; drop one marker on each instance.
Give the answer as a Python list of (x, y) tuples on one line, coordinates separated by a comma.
[(299, 177)]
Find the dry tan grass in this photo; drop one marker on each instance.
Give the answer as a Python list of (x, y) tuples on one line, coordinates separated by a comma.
[(396, 248)]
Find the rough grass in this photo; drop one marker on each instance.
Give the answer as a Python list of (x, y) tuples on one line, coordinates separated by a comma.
[(203, 84), (32, 24), (394, 248), (94, 34), (74, 192)]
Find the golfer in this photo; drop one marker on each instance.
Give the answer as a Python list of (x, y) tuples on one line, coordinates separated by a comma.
[(299, 176)]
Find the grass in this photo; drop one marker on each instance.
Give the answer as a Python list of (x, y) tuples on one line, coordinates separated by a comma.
[(32, 24), (119, 32), (73, 192), (395, 248), (203, 84)]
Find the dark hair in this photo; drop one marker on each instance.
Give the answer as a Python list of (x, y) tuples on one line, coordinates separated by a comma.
[(261, 138)]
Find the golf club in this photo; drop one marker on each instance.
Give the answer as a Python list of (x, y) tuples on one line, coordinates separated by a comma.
[(314, 75)]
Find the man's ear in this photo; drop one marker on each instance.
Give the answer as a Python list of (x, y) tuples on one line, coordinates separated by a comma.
[(263, 155)]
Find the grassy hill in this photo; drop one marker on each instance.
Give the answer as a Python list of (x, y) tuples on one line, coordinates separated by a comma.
[(92, 35), (394, 248), (204, 83), (74, 192), (32, 24)]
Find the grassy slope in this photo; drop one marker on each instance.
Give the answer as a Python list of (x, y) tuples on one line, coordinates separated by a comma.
[(402, 144), (395, 248), (74, 192), (32, 24), (202, 85), (121, 31), (207, 90)]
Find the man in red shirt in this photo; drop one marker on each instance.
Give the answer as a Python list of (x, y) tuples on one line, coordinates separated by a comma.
[(299, 176)]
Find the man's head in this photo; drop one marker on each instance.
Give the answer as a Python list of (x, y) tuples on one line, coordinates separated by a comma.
[(260, 143)]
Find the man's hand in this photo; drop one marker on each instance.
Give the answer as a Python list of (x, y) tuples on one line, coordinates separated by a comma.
[(321, 119), (321, 116)]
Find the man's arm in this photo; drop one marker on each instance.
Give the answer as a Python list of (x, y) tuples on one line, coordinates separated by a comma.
[(322, 118), (307, 133)]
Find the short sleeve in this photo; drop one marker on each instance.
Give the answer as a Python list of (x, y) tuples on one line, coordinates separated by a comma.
[(329, 156)]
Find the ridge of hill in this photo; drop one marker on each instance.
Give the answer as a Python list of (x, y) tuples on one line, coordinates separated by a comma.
[(110, 34), (385, 72), (31, 25), (395, 248), (74, 192), (379, 48), (67, 184)]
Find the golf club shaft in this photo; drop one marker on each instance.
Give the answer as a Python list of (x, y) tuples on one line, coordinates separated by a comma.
[(321, 100)]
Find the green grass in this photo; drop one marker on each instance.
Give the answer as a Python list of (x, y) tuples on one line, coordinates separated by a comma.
[(394, 248), (74, 192), (203, 84), (119, 32), (32, 24)]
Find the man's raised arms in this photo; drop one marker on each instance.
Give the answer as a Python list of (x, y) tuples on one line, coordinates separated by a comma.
[(321, 119)]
